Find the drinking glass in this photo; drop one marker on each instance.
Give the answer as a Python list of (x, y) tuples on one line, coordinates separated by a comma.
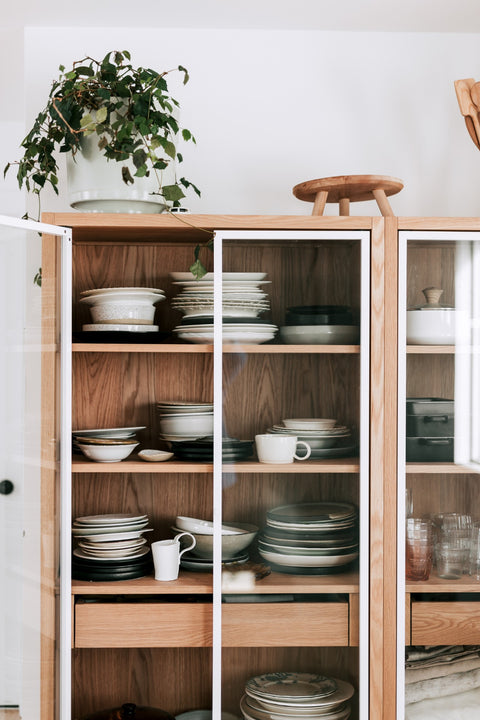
[(419, 548)]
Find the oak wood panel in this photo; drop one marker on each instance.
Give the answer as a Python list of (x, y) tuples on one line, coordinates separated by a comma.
[(240, 664), (435, 584), (337, 465), (408, 619), (208, 348), (354, 620), (141, 467), (272, 387), (173, 679), (285, 624), (438, 223), (445, 623), (144, 624), (49, 455), (438, 493), (201, 584), (430, 376), (430, 265), (390, 470)]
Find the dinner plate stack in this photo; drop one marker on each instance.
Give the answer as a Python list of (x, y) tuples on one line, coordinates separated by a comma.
[(110, 547), (122, 309), (243, 300), (181, 421), (325, 437), (202, 449), (106, 444), (287, 695), (310, 538)]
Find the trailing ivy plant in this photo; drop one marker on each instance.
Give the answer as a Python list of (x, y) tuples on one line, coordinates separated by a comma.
[(129, 109)]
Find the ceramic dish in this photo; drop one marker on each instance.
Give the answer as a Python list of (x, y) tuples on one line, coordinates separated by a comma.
[(205, 526), (261, 713), (320, 334), (107, 453), (110, 432), (104, 529), (208, 277), (129, 290), (78, 552), (204, 715), (109, 537), (105, 441), (310, 423), (102, 327), (343, 693), (290, 686), (155, 455), (312, 512), (307, 560), (110, 519), (232, 544)]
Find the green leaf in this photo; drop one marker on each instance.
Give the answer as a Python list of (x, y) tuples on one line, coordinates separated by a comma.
[(86, 120), (170, 149), (198, 270), (186, 134), (126, 176), (186, 76), (172, 193), (102, 114)]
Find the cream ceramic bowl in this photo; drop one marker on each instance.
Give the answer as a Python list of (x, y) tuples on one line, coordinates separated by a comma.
[(320, 334), (431, 327), (107, 453), (231, 544), (120, 307), (191, 424), (309, 423)]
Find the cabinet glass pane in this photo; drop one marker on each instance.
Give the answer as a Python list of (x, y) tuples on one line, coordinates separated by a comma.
[(439, 501), (293, 308), (30, 451)]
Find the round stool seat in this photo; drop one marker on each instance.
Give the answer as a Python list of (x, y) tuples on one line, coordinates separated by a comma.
[(348, 188)]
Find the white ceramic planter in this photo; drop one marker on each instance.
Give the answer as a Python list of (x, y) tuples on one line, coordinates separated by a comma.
[(95, 184)]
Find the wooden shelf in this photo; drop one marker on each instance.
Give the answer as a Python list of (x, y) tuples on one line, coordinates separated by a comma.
[(441, 468), (202, 584), (208, 348), (334, 465), (430, 349), (438, 585)]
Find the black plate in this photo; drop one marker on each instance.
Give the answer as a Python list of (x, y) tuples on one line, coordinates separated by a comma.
[(334, 570), (81, 574), (120, 336)]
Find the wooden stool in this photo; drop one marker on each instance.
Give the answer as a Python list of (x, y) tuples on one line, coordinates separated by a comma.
[(345, 189)]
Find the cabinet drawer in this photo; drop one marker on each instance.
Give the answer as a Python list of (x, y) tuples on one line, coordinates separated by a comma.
[(445, 623), (285, 624), (111, 625)]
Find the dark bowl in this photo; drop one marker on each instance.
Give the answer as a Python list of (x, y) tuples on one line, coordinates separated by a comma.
[(319, 315)]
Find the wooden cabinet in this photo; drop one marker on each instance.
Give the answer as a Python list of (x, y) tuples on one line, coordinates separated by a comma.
[(154, 643)]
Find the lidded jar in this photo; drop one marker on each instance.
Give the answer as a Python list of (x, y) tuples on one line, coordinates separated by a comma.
[(431, 323)]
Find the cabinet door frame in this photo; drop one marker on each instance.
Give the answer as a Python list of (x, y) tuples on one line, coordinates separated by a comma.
[(365, 239), (461, 397)]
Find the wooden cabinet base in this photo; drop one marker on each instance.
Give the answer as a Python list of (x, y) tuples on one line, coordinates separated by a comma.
[(445, 623)]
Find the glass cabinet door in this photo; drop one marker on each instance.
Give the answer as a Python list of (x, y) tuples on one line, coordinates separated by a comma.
[(31, 346), (291, 485), (438, 632)]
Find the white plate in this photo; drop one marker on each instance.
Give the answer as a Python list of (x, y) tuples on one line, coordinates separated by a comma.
[(291, 686), (78, 552), (310, 423), (314, 512), (119, 545), (225, 276), (343, 693), (307, 560), (320, 334), (110, 519), (101, 327), (246, 338), (127, 535), (84, 531), (121, 433), (129, 290), (261, 713)]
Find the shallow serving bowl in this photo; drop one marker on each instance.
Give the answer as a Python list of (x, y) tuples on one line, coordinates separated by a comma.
[(187, 424), (320, 334), (309, 423), (107, 453), (231, 544), (122, 307)]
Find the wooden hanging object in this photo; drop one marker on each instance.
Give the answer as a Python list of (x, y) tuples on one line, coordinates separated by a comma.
[(466, 90)]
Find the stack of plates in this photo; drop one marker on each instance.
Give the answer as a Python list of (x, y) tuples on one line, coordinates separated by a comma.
[(106, 444), (181, 421), (202, 449), (310, 538), (122, 309), (325, 437), (110, 547), (287, 695), (242, 295), (243, 300)]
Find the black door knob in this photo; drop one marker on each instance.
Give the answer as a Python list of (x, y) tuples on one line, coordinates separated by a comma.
[(6, 487)]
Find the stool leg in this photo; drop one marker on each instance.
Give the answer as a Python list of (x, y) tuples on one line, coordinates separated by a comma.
[(382, 202), (344, 206), (319, 204)]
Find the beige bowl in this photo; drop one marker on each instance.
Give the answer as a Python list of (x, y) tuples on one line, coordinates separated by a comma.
[(231, 544)]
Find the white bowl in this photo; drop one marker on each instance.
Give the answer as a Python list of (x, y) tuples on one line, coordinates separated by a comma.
[(231, 544), (187, 424), (309, 423), (155, 455), (122, 307), (431, 327), (107, 453), (320, 334), (205, 527)]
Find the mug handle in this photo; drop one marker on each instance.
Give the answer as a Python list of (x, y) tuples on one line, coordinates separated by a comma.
[(189, 547), (307, 454)]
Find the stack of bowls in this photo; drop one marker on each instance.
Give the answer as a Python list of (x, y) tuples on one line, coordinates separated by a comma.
[(122, 309), (243, 300), (236, 538), (310, 538), (325, 437), (181, 421), (320, 325), (299, 696), (107, 444)]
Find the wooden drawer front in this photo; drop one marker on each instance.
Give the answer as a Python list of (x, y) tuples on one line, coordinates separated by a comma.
[(284, 624), (445, 623), (110, 625)]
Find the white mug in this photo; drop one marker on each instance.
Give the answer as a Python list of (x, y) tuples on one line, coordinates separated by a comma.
[(166, 556), (279, 449)]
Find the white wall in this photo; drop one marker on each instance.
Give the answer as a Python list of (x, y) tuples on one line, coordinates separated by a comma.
[(272, 108)]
